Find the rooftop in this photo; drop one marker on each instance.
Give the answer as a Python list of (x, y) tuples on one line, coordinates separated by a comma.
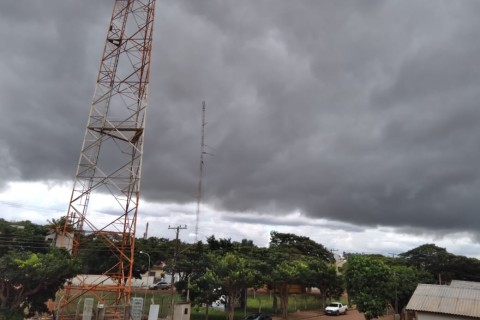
[(462, 298)]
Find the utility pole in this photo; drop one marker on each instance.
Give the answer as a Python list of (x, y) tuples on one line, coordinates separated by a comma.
[(175, 254)]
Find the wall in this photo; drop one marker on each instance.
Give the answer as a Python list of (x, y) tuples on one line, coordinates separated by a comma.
[(437, 316)]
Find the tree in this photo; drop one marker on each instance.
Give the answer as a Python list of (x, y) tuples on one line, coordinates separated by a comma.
[(465, 268), (324, 277), (288, 256), (300, 245), (433, 259), (56, 227), (233, 274), (22, 235), (192, 265), (204, 290), (404, 282), (29, 279), (286, 273), (368, 282)]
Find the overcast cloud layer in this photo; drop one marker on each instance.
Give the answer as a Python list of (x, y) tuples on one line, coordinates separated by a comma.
[(362, 112)]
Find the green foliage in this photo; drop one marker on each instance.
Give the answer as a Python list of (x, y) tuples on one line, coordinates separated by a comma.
[(368, 283), (324, 277), (159, 249), (465, 268), (443, 265), (234, 275), (32, 271), (205, 267), (290, 258), (30, 279), (404, 282), (433, 259), (220, 246), (23, 235), (371, 306), (300, 245)]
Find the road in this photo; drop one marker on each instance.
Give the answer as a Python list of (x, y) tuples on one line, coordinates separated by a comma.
[(352, 314)]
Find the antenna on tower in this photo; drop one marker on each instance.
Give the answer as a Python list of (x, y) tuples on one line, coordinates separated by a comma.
[(145, 235), (202, 152)]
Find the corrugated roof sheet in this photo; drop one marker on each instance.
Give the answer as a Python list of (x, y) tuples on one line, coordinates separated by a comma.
[(465, 284), (461, 301)]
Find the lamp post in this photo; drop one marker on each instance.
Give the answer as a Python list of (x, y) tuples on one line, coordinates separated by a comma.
[(148, 272)]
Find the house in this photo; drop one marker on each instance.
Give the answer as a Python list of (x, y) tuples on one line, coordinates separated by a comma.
[(458, 301)]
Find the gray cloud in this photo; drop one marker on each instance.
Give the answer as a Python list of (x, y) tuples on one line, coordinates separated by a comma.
[(361, 112)]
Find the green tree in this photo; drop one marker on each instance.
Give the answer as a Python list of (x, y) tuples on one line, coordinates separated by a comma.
[(368, 282), (22, 235), (204, 290), (30, 279), (56, 227), (285, 253), (234, 274), (324, 276), (300, 245), (192, 265), (433, 259), (404, 282), (220, 246), (465, 268), (286, 273)]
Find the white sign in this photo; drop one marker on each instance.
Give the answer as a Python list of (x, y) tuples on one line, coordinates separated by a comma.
[(153, 313), (87, 309), (137, 308)]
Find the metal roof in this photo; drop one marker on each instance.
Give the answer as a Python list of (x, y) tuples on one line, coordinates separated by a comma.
[(460, 301), (465, 284)]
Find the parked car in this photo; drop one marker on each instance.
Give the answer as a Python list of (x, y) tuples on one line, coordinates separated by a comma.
[(163, 285), (259, 316), (336, 308)]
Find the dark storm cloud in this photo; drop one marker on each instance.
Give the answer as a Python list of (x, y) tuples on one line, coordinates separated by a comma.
[(46, 83), (358, 111), (296, 221)]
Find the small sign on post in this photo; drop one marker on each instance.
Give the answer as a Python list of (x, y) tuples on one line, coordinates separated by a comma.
[(137, 308), (154, 311), (87, 309)]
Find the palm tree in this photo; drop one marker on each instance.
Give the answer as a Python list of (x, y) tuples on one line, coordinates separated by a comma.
[(55, 227)]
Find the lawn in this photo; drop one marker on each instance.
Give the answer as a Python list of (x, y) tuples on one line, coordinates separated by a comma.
[(258, 303), (255, 303)]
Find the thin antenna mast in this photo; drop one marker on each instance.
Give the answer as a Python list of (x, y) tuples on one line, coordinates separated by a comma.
[(145, 235), (202, 152)]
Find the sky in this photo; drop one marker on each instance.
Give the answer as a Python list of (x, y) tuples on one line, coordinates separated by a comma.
[(354, 123)]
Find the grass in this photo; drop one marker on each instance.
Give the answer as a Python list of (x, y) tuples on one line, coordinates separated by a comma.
[(258, 303), (262, 303)]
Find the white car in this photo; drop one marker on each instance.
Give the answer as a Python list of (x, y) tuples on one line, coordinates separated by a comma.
[(160, 285), (336, 308)]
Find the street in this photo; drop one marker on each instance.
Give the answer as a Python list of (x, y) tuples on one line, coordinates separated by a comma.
[(352, 314)]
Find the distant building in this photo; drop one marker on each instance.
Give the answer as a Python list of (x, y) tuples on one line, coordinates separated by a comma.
[(458, 301)]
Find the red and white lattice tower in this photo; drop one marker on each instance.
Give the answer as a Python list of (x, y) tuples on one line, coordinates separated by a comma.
[(110, 163)]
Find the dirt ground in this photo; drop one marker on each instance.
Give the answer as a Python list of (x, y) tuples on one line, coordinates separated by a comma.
[(352, 314)]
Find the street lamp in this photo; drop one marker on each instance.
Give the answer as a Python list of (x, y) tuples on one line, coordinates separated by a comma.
[(148, 272)]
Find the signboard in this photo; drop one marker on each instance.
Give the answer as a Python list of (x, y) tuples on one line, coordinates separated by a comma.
[(137, 308), (154, 310), (87, 309)]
